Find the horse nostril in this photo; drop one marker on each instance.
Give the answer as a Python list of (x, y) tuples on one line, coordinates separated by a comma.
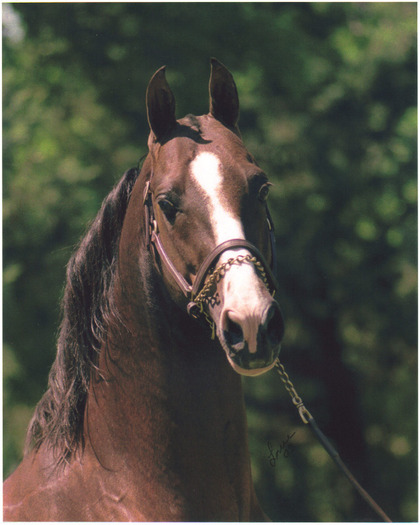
[(274, 325), (233, 333)]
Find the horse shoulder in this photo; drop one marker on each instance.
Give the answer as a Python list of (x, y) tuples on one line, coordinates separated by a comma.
[(35, 492), (26, 491)]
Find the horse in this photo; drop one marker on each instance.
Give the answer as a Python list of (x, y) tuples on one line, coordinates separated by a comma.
[(168, 301)]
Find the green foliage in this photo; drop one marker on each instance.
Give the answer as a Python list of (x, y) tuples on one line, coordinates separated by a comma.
[(328, 107)]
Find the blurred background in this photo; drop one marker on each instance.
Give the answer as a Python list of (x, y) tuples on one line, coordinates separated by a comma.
[(328, 107)]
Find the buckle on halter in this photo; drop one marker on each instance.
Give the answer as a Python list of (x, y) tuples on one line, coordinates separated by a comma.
[(194, 310), (146, 192), (153, 227)]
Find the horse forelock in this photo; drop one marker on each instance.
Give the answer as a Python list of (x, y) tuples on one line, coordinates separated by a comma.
[(87, 311)]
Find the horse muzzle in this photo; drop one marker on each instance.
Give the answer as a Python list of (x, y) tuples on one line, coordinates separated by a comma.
[(251, 340), (238, 293)]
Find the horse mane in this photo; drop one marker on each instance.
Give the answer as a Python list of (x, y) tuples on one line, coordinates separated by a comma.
[(87, 309)]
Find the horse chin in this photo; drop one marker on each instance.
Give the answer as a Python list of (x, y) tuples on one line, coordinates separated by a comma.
[(251, 372), (253, 367)]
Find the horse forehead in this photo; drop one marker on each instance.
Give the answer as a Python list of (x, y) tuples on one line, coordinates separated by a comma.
[(207, 171), (215, 171), (210, 167), (209, 151)]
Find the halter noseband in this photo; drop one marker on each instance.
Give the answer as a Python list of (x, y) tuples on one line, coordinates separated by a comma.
[(196, 292)]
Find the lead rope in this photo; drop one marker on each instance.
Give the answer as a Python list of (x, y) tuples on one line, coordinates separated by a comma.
[(307, 417)]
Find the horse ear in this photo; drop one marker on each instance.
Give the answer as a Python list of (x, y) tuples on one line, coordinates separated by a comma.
[(160, 104), (224, 101)]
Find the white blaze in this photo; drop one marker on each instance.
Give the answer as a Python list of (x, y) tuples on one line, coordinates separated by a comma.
[(241, 286), (206, 172)]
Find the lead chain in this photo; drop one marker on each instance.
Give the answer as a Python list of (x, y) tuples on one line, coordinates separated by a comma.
[(296, 399), (217, 275), (221, 271)]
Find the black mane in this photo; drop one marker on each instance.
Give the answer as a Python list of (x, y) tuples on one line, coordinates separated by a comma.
[(86, 311)]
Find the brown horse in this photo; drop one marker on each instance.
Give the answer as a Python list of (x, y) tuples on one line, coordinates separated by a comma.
[(144, 417)]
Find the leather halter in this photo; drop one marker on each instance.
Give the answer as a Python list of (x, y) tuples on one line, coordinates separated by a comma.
[(209, 263)]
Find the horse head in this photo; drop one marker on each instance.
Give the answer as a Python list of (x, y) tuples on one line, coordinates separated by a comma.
[(209, 221)]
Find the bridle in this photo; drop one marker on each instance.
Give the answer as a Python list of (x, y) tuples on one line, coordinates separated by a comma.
[(198, 293)]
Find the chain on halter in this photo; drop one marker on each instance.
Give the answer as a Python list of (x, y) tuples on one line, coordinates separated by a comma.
[(206, 297), (296, 399)]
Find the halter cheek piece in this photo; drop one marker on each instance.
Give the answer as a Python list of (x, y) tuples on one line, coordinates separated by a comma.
[(197, 292)]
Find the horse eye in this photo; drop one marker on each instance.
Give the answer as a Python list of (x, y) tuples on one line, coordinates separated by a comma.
[(169, 209), (264, 191)]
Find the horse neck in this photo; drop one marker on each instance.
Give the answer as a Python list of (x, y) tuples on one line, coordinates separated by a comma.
[(166, 403), (166, 385)]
